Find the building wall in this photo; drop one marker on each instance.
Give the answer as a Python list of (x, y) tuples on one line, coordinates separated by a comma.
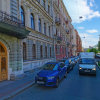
[(62, 29), (36, 37), (14, 48), (78, 42)]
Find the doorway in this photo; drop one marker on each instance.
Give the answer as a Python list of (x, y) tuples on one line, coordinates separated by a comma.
[(3, 63)]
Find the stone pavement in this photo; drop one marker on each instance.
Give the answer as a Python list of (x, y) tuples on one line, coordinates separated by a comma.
[(10, 88)]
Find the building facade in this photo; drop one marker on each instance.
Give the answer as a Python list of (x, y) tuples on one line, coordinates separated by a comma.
[(32, 32), (26, 36), (62, 30), (78, 43)]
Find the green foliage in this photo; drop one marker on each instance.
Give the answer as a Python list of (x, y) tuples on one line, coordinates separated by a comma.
[(93, 50)]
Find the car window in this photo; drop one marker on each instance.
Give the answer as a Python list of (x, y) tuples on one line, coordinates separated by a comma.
[(67, 62), (49, 66), (87, 61), (62, 65), (56, 67)]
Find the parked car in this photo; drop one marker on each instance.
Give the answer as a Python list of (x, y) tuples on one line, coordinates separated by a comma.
[(97, 56), (51, 74), (68, 64), (72, 62), (87, 66)]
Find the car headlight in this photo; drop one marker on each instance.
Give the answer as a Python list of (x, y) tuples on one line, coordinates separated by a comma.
[(80, 68), (94, 69), (50, 78)]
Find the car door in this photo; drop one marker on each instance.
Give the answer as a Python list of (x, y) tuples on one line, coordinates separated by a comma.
[(62, 70)]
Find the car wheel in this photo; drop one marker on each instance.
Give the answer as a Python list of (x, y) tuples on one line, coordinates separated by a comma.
[(65, 75), (57, 83)]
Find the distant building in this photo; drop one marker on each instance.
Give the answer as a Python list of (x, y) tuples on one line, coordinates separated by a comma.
[(78, 43)]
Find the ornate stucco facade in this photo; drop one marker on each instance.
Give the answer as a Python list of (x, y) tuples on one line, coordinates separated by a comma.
[(32, 32)]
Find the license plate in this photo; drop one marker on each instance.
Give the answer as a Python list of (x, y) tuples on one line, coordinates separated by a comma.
[(40, 82), (87, 70)]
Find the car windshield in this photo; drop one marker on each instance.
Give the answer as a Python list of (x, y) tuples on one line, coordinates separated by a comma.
[(49, 66), (88, 61)]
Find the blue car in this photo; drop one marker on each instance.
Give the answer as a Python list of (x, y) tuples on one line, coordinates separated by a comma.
[(51, 74), (68, 64)]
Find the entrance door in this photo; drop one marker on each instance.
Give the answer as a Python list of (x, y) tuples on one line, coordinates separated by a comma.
[(3, 63)]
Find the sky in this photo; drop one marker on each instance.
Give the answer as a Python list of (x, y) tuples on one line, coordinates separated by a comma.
[(88, 26)]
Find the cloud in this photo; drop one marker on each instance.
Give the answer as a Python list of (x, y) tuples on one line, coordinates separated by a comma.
[(89, 40), (91, 3), (92, 31), (81, 28), (77, 8)]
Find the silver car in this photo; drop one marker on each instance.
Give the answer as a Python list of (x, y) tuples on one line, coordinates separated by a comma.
[(87, 66)]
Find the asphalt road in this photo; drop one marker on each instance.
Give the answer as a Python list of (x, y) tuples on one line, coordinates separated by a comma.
[(74, 87)]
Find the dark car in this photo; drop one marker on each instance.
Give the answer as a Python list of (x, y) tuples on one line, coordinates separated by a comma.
[(51, 74), (72, 61), (87, 66), (68, 64)]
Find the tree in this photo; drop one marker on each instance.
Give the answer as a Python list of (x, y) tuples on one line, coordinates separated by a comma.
[(93, 50), (99, 46)]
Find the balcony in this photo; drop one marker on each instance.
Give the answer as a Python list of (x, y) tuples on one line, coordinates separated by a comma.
[(12, 26), (58, 39), (67, 31), (57, 21)]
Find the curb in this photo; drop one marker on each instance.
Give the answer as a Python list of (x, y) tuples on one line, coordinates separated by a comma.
[(18, 91)]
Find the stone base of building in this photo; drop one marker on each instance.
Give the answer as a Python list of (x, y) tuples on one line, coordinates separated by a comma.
[(30, 65)]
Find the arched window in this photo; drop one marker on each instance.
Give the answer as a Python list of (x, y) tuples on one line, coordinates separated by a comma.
[(22, 15), (45, 28), (41, 51), (50, 52), (46, 51), (34, 51), (39, 23), (44, 4), (24, 51), (32, 22)]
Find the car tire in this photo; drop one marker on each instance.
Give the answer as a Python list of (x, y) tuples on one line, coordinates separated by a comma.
[(57, 83), (65, 75)]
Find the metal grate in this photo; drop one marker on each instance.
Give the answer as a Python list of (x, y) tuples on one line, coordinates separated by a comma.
[(9, 19)]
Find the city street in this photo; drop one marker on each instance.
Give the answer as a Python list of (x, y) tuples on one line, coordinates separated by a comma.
[(74, 87)]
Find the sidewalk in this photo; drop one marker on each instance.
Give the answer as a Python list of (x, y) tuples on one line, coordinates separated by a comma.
[(11, 88)]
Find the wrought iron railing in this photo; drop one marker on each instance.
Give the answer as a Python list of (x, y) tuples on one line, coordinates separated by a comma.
[(9, 19)]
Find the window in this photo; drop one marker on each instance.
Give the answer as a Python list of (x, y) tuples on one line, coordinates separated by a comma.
[(48, 9), (49, 30), (44, 4), (32, 22), (41, 51), (58, 49), (46, 51), (50, 51), (38, 1), (34, 51), (45, 28), (56, 31), (39, 23), (22, 16), (24, 51)]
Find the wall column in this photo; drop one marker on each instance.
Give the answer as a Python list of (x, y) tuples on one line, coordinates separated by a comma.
[(42, 25), (27, 17), (36, 22)]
